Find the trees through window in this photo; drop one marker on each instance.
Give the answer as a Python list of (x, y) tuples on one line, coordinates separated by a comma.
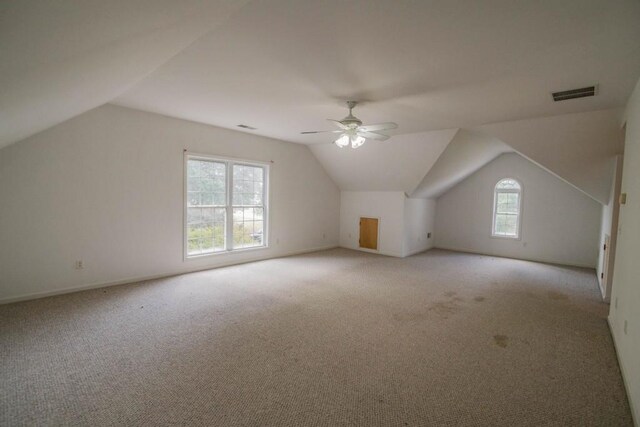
[(226, 205)]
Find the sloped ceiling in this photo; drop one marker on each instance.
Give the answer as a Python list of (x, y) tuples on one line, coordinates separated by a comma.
[(384, 166), (576, 147), (284, 66), (62, 58), (464, 155)]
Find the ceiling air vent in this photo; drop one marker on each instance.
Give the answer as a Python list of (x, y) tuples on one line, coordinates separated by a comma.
[(575, 93), (247, 127)]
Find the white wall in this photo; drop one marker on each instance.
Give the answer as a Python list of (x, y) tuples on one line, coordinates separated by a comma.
[(107, 187), (624, 315), (559, 223), (403, 223), (609, 225), (387, 206), (419, 221), (576, 147)]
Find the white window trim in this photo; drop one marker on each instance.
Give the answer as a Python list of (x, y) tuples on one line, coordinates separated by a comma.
[(518, 235), (229, 161)]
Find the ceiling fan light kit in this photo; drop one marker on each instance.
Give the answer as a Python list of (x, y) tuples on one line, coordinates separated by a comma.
[(353, 132)]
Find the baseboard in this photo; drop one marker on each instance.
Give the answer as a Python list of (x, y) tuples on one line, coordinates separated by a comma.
[(371, 251), (634, 415), (471, 251), (602, 290), (418, 251), (44, 294)]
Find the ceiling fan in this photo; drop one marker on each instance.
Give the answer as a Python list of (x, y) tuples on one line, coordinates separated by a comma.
[(354, 132)]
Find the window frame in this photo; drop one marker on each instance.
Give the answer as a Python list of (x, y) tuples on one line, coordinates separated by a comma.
[(520, 192), (229, 162)]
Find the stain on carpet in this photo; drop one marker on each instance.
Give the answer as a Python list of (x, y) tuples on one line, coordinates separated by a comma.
[(479, 299), (414, 316), (557, 295), (501, 340), (444, 308)]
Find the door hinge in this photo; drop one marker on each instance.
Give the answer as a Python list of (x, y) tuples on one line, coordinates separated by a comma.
[(602, 275), (605, 246)]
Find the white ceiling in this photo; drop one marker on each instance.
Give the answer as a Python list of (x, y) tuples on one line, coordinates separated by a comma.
[(578, 147), (384, 166), (64, 57), (464, 155), (284, 66)]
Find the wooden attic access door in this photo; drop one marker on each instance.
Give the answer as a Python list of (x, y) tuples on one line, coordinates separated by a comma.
[(369, 233)]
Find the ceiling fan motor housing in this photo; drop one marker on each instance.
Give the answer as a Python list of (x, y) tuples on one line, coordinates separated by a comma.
[(351, 120)]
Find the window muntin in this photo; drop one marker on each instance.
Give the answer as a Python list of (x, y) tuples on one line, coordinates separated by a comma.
[(506, 209), (225, 205)]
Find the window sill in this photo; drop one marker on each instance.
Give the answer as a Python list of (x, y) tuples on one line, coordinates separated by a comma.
[(235, 251), (498, 236)]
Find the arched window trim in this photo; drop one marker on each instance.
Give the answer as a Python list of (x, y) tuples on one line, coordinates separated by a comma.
[(518, 214)]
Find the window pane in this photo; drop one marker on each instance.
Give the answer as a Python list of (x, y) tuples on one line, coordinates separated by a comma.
[(502, 202), (193, 198), (206, 185), (506, 225), (237, 172), (194, 215), (247, 227), (512, 204), (258, 175), (207, 215), (207, 197), (508, 184), (258, 213), (248, 185), (206, 245), (500, 224), (193, 168), (511, 224)]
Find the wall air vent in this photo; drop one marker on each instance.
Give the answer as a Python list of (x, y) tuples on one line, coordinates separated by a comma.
[(575, 93), (247, 127)]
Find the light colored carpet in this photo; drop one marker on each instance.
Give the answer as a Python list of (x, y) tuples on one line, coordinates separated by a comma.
[(331, 338)]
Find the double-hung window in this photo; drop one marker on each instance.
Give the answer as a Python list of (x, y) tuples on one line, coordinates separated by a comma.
[(225, 205), (507, 202)]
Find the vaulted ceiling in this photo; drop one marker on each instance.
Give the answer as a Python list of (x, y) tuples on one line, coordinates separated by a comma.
[(62, 58), (284, 66)]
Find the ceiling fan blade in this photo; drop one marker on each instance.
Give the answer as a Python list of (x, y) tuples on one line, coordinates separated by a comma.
[(379, 126), (340, 125), (321, 131), (373, 135)]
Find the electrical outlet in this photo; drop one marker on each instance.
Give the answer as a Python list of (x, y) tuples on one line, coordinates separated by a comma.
[(625, 327), (428, 235), (79, 264)]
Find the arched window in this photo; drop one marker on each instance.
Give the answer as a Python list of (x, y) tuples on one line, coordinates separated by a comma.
[(507, 202)]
